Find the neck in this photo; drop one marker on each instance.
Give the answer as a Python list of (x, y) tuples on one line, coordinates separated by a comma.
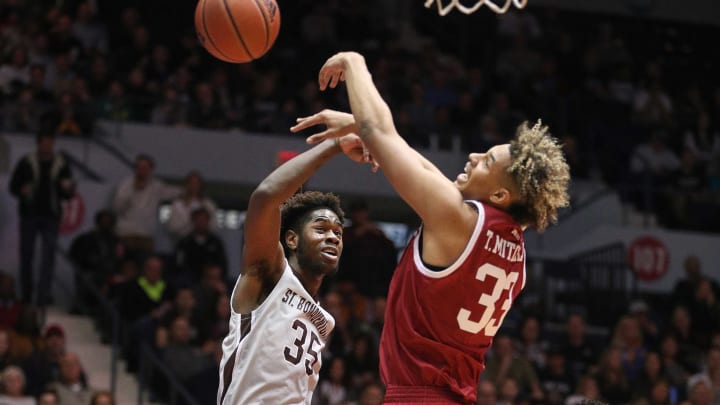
[(310, 281)]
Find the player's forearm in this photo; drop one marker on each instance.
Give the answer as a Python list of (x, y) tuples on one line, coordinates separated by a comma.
[(372, 115), (288, 178)]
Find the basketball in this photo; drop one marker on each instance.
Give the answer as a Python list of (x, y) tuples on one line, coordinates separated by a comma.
[(237, 31)]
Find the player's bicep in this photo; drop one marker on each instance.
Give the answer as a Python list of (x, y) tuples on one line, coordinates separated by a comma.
[(262, 252)]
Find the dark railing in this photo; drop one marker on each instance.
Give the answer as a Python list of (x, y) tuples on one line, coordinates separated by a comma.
[(107, 311), (104, 311), (596, 282), (150, 364)]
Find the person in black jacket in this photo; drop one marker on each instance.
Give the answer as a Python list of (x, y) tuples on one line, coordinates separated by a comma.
[(198, 249), (97, 255), (40, 181)]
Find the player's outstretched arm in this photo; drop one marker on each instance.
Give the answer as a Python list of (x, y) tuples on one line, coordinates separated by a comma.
[(263, 256), (432, 195)]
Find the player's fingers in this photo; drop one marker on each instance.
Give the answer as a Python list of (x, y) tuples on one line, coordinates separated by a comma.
[(334, 80), (342, 76), (317, 138), (303, 123), (322, 78)]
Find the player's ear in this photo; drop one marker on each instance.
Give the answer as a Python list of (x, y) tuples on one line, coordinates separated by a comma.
[(501, 197), (291, 239)]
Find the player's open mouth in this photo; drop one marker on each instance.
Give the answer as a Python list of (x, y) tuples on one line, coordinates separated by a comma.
[(463, 177), (330, 253)]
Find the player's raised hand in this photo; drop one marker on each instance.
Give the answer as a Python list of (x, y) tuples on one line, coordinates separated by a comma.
[(333, 71), (337, 124)]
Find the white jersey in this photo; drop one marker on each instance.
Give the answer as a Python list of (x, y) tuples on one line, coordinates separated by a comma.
[(272, 355)]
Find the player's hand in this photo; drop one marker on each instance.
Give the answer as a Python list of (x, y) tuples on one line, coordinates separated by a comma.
[(337, 124), (355, 149), (333, 71)]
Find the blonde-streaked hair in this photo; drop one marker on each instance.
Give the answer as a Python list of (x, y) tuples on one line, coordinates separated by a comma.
[(541, 174)]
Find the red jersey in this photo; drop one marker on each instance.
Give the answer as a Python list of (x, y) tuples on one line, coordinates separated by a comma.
[(440, 323)]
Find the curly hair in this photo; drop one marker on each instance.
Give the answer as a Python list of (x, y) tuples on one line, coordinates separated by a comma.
[(541, 174), (294, 211)]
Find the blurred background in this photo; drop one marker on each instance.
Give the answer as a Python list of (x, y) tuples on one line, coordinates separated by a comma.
[(142, 234)]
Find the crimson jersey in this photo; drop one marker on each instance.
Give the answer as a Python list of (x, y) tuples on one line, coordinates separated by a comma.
[(440, 323)]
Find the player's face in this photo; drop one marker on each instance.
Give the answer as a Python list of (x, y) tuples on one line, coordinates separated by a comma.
[(485, 174), (320, 245)]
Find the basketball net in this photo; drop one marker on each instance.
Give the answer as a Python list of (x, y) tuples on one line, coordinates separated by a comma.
[(491, 4)]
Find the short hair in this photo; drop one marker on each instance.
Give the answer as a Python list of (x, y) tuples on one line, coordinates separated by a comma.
[(13, 370), (295, 210), (104, 213), (199, 211), (44, 133), (96, 396), (539, 170), (145, 157)]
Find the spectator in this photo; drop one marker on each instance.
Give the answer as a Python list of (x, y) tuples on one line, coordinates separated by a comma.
[(556, 381), (171, 111), (369, 257), (700, 391), (43, 367), (148, 294), (13, 383), (628, 339), (97, 254), (682, 329), (487, 394), (506, 365), (362, 362), (114, 105), (649, 328), (136, 203), (654, 159), (181, 357), (209, 290), (70, 386), (612, 381), (711, 372), (40, 181), (587, 390), (530, 345), (675, 371), (24, 114), (371, 394), (684, 289), (332, 390), (90, 32), (14, 73), (206, 112), (102, 398), (580, 353), (179, 223), (40, 94), (10, 306), (48, 397), (651, 374), (199, 248), (142, 303), (705, 313)]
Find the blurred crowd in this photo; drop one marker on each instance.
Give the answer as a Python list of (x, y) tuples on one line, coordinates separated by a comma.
[(635, 103)]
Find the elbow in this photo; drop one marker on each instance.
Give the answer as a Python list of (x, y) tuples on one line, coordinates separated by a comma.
[(262, 194)]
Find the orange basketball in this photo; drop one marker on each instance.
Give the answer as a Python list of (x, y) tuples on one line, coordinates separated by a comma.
[(237, 31)]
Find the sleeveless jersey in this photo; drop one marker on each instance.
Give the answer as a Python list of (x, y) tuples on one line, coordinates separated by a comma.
[(439, 324), (273, 354)]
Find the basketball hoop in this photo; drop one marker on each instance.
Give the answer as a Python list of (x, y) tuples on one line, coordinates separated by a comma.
[(445, 9)]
